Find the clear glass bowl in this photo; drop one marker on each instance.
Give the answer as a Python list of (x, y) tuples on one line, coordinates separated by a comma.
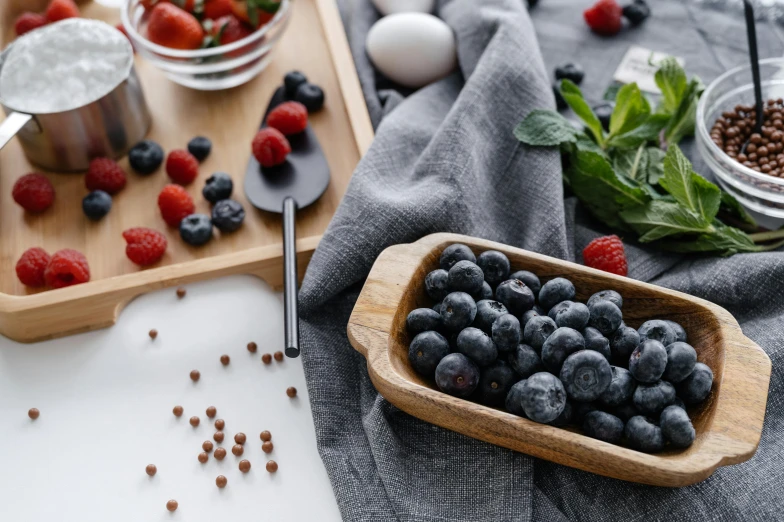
[(757, 191), (213, 68)]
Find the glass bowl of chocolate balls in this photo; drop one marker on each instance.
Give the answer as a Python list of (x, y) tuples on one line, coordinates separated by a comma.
[(726, 116)]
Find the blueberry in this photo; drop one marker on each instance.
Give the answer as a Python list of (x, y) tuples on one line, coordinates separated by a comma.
[(606, 295), (200, 147), (676, 427), (570, 71), (604, 112), (437, 307), (291, 83), (554, 291), (681, 358), (515, 295), (603, 426), (586, 375), (311, 96), (458, 310), (594, 340), (680, 333), (560, 101), (487, 311), (620, 390), (658, 330), (196, 229), (605, 316), (544, 397), (527, 316), (571, 314), (506, 333), (436, 284), (581, 409), (514, 399), (495, 381), (228, 215), (529, 278), (465, 276), (145, 157), (217, 187), (485, 293), (636, 12), (560, 345), (566, 417), (457, 375), (539, 310), (454, 253), (623, 342), (643, 435), (96, 204), (537, 330), (477, 345), (495, 266), (650, 399), (697, 386), (625, 412), (648, 361), (426, 351), (422, 320), (525, 361)]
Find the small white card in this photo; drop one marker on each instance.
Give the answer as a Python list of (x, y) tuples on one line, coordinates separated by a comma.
[(636, 67)]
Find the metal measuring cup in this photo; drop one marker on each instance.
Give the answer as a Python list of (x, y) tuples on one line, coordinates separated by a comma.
[(66, 141)]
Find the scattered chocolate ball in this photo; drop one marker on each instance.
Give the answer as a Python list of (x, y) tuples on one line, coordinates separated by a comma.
[(252, 347), (240, 438), (195, 375), (220, 424), (272, 466), (177, 411), (153, 333), (207, 446), (225, 360), (151, 470), (221, 481), (244, 466), (203, 457), (219, 453), (265, 436), (278, 356), (33, 413), (266, 447), (218, 437), (181, 292), (211, 411), (237, 450), (291, 391), (172, 505), (195, 421), (266, 358)]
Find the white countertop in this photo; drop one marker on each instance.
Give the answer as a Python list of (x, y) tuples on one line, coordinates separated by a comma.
[(106, 400)]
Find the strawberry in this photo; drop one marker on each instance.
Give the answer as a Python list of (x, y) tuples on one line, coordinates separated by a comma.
[(214, 9), (61, 9), (230, 29), (255, 12), (28, 21), (173, 27), (604, 17)]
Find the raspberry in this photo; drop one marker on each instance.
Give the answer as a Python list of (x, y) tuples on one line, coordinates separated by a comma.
[(61, 9), (30, 267), (214, 9), (145, 245), (606, 253), (105, 174), (289, 118), (270, 147), (604, 17), (182, 166), (172, 27), (175, 204), (67, 267), (28, 21), (34, 192)]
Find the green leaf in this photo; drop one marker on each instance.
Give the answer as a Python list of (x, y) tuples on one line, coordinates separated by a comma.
[(683, 121), (253, 14), (545, 128), (648, 131), (658, 219), (632, 163), (731, 206), (671, 80), (689, 188), (631, 110), (269, 6), (574, 97), (585, 143), (723, 240), (655, 165)]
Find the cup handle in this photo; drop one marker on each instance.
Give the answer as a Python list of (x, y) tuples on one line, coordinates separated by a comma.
[(11, 125)]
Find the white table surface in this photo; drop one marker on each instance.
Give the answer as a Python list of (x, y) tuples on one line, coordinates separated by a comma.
[(106, 400)]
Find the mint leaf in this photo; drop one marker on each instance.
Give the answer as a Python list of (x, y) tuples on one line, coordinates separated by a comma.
[(683, 121), (632, 163), (655, 165), (671, 80), (658, 219), (648, 131), (689, 188), (631, 110), (724, 240), (574, 97), (730, 206), (585, 143), (545, 128)]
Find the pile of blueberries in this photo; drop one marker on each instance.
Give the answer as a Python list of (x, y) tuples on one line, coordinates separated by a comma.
[(507, 340)]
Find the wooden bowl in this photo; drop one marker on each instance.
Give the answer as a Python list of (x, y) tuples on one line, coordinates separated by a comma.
[(728, 423)]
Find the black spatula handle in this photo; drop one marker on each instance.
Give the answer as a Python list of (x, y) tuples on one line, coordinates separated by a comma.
[(291, 315)]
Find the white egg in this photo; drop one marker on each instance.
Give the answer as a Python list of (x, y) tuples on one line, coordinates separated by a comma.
[(412, 49), (404, 6)]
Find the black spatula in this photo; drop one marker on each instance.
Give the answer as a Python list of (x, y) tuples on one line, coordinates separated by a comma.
[(284, 189)]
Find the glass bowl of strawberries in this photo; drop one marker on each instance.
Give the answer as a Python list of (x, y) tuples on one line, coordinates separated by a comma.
[(206, 44)]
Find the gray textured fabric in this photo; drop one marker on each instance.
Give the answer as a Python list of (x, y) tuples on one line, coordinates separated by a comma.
[(445, 160)]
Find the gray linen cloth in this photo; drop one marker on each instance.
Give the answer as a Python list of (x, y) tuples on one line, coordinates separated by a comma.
[(445, 160)]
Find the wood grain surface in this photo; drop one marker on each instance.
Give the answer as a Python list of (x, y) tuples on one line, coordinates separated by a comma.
[(313, 43), (728, 424)]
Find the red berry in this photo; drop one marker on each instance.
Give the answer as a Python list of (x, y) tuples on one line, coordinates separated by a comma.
[(214, 9), (606, 253), (175, 204), (230, 29), (28, 21), (270, 147), (67, 267), (145, 245), (289, 118), (105, 174), (173, 27), (182, 166), (34, 192), (31, 266), (61, 9), (604, 17)]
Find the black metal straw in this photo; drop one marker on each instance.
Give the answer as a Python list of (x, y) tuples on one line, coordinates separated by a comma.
[(751, 32)]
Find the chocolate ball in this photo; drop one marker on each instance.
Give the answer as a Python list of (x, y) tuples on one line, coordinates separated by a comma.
[(266, 358), (244, 466), (266, 447), (151, 470), (177, 411), (220, 424), (225, 360), (272, 466), (181, 292), (237, 450), (211, 411), (221, 481), (33, 413), (265, 436), (195, 375), (219, 453), (153, 334), (207, 446), (195, 421), (172, 505), (252, 347), (218, 436), (278, 356), (240, 438), (291, 391), (203, 457)]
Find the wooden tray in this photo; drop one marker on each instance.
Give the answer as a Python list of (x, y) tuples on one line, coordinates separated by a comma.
[(313, 43), (728, 423)]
